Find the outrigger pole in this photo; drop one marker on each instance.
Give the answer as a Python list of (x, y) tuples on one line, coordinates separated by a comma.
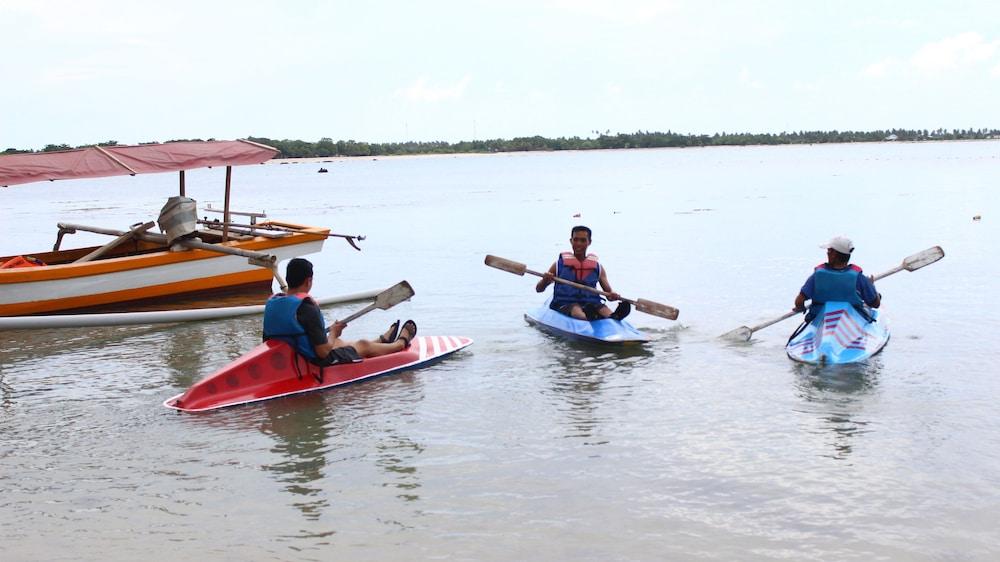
[(267, 261)]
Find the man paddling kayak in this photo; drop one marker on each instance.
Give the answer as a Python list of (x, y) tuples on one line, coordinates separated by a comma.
[(294, 317), (838, 280), (580, 267)]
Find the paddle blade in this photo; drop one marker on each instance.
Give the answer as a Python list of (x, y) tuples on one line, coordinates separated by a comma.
[(506, 265), (656, 309), (394, 295), (921, 259), (742, 333)]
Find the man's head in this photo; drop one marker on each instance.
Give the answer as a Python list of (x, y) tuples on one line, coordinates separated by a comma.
[(298, 271), (838, 249), (580, 239)]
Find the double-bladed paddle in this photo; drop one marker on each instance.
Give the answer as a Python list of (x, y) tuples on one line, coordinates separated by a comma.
[(642, 305), (385, 300), (911, 263)]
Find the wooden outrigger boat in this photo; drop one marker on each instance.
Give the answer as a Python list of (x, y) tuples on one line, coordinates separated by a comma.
[(138, 265)]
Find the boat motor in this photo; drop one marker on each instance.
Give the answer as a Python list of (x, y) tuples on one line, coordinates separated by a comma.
[(178, 218)]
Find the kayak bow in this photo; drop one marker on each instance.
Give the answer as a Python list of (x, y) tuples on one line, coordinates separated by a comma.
[(273, 369)]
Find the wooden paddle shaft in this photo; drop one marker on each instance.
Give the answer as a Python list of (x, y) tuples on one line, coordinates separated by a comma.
[(787, 315), (579, 286), (358, 314)]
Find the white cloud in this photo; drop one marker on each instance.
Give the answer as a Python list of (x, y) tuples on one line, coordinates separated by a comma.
[(64, 75), (962, 50), (806, 87), (880, 68), (747, 80), (421, 91), (614, 89), (881, 23), (627, 11)]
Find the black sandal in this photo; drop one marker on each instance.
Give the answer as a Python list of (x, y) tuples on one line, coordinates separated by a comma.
[(409, 327), (393, 332), (622, 311)]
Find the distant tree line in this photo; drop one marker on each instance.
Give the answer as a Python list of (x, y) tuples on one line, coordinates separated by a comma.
[(327, 147)]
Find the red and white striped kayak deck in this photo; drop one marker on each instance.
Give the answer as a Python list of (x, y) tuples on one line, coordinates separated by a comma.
[(273, 369)]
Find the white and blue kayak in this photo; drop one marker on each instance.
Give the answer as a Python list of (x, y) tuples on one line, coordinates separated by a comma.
[(604, 331), (839, 334)]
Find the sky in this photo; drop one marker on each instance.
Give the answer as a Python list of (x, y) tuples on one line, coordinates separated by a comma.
[(78, 72)]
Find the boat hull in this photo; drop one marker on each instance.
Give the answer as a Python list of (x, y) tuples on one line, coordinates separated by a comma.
[(606, 331), (149, 272), (200, 314), (838, 334), (273, 369)]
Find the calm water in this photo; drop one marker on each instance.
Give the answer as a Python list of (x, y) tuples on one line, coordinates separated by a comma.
[(523, 447)]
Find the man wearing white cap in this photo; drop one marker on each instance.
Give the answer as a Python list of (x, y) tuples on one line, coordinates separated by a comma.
[(838, 279)]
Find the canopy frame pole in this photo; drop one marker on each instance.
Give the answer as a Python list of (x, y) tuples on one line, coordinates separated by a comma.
[(115, 160), (182, 183), (259, 145), (225, 212)]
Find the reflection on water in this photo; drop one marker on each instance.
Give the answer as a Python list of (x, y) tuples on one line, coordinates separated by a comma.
[(21, 345), (818, 382), (315, 432), (836, 395), (299, 426), (181, 353), (580, 371), (5, 391), (395, 455), (386, 436)]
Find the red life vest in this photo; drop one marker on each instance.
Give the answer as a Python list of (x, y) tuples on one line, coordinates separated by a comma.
[(21, 261), (585, 272)]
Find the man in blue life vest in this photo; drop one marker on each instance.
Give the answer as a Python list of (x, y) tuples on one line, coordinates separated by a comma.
[(580, 267), (839, 280), (294, 317)]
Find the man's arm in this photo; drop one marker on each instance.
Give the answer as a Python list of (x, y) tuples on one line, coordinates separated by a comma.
[(866, 288), (800, 301), (545, 281), (311, 318), (805, 293), (603, 280)]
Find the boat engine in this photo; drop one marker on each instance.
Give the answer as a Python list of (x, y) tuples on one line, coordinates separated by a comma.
[(178, 218)]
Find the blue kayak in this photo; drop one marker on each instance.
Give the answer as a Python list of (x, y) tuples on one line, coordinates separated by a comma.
[(838, 334), (604, 331)]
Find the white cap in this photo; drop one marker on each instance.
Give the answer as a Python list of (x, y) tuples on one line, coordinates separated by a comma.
[(841, 244)]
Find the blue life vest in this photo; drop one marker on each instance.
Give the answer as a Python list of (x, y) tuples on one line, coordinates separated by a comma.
[(586, 272), (281, 323), (836, 285)]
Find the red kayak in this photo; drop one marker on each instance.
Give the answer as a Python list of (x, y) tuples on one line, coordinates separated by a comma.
[(272, 370)]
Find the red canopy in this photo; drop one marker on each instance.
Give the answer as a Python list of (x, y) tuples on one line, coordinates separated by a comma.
[(104, 161)]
